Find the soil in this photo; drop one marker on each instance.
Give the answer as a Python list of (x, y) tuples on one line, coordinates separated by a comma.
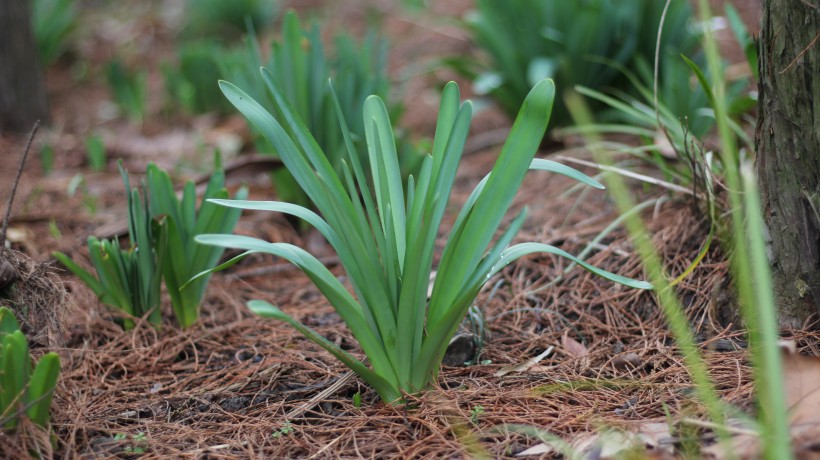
[(236, 386)]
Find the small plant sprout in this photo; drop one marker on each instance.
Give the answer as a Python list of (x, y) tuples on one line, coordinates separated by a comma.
[(286, 429), (23, 389), (161, 227), (475, 413), (385, 234)]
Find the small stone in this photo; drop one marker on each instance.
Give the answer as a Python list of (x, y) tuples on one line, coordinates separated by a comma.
[(8, 274), (460, 350)]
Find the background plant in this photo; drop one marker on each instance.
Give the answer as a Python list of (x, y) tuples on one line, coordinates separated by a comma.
[(127, 89), (226, 21), (161, 228), (671, 135), (53, 22), (23, 389), (745, 238), (128, 278), (575, 43), (387, 245), (301, 64)]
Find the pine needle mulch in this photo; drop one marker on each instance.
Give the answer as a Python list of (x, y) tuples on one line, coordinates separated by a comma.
[(236, 386)]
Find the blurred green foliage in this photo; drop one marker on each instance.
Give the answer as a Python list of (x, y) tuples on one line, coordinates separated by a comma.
[(53, 21), (584, 42)]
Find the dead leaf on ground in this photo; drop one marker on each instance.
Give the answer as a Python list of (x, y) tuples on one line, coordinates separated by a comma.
[(526, 365), (572, 347)]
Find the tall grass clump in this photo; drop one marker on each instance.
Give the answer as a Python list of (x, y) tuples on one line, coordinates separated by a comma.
[(385, 234)]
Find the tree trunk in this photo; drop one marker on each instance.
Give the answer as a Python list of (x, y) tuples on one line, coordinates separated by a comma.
[(788, 152), (22, 88)]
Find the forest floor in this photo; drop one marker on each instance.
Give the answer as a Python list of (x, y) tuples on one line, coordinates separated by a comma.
[(585, 360)]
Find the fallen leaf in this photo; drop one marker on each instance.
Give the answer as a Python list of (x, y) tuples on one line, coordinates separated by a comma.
[(572, 347), (626, 361), (538, 449), (525, 365), (656, 436)]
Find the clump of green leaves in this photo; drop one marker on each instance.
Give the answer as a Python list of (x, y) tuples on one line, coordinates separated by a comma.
[(138, 444), (127, 88), (23, 389), (226, 20), (95, 152), (387, 244), (161, 228), (300, 63), (128, 279), (573, 42), (192, 83), (186, 258), (53, 21)]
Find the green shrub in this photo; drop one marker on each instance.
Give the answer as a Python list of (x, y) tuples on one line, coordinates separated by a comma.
[(23, 389), (161, 228), (387, 245), (583, 42)]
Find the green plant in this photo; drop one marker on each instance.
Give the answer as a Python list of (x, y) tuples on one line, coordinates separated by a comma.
[(53, 22), (138, 445), (161, 228), (226, 20), (23, 389), (286, 429), (745, 236), (193, 82), (47, 158), (300, 63), (127, 88), (575, 43), (128, 279), (387, 245), (185, 258), (475, 413), (95, 152), (677, 113)]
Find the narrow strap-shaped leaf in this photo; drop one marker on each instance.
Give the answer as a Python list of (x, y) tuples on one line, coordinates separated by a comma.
[(41, 388), (385, 168), (523, 249), (541, 164), (85, 276), (15, 374), (502, 185), (287, 208), (8, 322)]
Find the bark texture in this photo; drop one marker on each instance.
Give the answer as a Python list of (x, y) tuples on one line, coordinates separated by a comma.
[(22, 88), (788, 152)]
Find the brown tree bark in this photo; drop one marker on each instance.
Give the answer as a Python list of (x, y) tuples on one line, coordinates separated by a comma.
[(788, 152), (22, 87)]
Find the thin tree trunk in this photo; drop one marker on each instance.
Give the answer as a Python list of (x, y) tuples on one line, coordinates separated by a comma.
[(788, 152), (22, 88)]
